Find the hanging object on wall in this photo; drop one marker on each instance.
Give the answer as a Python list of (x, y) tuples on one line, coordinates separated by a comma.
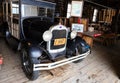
[(77, 8), (77, 27)]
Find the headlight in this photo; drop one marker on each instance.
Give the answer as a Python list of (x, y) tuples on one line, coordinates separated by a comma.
[(73, 34), (47, 36)]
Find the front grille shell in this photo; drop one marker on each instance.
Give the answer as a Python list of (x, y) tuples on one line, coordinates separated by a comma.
[(57, 34)]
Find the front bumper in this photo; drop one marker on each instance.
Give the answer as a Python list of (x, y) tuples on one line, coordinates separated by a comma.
[(48, 66)]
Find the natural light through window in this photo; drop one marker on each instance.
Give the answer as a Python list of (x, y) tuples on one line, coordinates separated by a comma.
[(69, 11)]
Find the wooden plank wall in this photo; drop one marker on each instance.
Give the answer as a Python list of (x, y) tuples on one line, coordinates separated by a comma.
[(106, 15)]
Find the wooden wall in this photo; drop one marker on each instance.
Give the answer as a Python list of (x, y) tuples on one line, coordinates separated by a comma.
[(0, 12), (106, 15), (61, 7)]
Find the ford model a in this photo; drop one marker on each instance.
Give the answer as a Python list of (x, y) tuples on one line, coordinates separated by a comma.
[(43, 44)]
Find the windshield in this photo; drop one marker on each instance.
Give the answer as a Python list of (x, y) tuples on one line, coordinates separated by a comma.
[(30, 10), (35, 27)]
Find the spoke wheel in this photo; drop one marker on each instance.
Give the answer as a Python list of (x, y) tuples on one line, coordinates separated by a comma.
[(27, 65)]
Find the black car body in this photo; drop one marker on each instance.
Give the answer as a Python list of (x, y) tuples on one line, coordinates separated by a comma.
[(43, 44)]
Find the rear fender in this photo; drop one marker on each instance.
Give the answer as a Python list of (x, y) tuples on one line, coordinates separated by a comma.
[(7, 34), (4, 27)]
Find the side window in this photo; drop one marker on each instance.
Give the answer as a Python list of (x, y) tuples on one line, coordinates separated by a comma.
[(69, 11), (29, 10), (15, 9), (4, 11), (42, 11), (9, 9), (50, 13), (15, 20), (95, 15), (46, 12), (5, 8)]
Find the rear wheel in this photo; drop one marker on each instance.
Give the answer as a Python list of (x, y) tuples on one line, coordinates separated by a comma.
[(78, 50), (7, 36), (27, 65)]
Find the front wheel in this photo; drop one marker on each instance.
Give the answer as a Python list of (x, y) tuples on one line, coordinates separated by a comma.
[(78, 50), (27, 64)]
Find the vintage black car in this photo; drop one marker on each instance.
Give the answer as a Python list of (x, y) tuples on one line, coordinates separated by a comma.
[(43, 43)]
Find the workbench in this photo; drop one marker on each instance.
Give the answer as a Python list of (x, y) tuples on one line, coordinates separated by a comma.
[(90, 36)]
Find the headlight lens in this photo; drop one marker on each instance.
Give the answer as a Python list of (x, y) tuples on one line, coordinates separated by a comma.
[(47, 36), (73, 34)]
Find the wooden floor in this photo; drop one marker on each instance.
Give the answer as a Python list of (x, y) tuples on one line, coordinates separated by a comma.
[(102, 66)]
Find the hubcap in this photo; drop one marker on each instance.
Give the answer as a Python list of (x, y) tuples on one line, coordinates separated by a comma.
[(26, 62)]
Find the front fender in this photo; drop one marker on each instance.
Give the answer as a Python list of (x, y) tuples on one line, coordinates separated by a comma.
[(79, 41), (72, 44), (34, 52), (82, 42)]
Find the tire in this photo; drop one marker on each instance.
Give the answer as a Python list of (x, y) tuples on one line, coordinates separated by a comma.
[(27, 65), (69, 53), (78, 50), (7, 37)]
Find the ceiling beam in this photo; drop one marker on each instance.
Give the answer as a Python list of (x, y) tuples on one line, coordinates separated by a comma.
[(98, 4)]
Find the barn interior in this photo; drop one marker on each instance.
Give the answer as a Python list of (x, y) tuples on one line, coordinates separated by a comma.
[(101, 31)]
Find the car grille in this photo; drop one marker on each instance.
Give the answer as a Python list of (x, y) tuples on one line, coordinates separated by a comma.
[(58, 34)]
